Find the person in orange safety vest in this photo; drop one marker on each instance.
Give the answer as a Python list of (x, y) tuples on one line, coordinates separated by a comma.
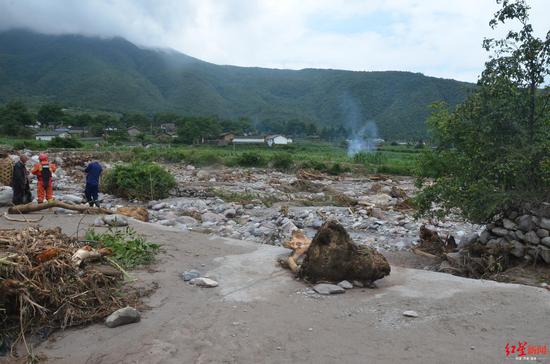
[(44, 170)]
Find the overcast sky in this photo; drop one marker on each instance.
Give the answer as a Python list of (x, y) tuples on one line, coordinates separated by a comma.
[(436, 37)]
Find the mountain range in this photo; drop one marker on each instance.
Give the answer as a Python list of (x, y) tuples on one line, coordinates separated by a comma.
[(116, 75)]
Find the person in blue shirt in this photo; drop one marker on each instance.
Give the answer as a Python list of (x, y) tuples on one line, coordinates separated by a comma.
[(93, 172)]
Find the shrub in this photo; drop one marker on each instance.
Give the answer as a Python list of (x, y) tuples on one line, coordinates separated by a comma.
[(138, 180), (282, 161), (337, 169), (250, 159), (30, 144), (58, 142)]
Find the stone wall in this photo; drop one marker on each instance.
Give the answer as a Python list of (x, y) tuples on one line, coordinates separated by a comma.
[(524, 235)]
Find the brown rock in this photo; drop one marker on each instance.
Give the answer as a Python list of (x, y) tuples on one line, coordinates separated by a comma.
[(334, 257)]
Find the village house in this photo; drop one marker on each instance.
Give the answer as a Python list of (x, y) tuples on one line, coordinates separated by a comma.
[(226, 138), (50, 135), (169, 128), (272, 140), (133, 132)]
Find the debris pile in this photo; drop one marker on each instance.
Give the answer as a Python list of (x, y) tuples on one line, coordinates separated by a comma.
[(333, 256), (48, 281)]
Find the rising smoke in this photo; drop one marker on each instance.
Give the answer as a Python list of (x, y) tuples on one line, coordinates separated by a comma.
[(363, 132)]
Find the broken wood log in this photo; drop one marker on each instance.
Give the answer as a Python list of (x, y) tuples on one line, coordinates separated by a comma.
[(31, 207)]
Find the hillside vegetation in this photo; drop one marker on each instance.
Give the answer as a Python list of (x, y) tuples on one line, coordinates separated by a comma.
[(115, 75)]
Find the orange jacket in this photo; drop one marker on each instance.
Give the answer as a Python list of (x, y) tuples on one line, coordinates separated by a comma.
[(37, 169)]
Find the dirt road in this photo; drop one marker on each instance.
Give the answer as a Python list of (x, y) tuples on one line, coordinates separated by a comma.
[(260, 314)]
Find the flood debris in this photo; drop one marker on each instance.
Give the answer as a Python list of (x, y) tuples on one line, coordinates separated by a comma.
[(47, 284), (332, 256), (432, 245)]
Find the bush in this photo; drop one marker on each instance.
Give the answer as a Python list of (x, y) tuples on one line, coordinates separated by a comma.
[(250, 159), (337, 169), (58, 142), (138, 180), (282, 161), (30, 144)]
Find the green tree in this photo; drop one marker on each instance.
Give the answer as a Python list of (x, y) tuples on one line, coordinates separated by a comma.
[(493, 151), (197, 130), (13, 118), (50, 113)]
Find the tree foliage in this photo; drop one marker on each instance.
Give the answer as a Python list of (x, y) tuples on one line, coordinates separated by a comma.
[(13, 118), (493, 151)]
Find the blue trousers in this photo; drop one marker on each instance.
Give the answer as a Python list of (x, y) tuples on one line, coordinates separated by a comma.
[(92, 194)]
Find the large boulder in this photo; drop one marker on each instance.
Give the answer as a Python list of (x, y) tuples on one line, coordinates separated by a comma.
[(334, 257)]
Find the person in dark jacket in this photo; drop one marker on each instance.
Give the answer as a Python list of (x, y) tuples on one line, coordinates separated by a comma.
[(20, 182), (93, 173)]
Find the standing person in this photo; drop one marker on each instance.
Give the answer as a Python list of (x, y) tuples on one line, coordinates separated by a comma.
[(44, 170), (93, 172), (20, 182)]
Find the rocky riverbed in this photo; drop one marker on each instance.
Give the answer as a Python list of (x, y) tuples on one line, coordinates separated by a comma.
[(265, 206)]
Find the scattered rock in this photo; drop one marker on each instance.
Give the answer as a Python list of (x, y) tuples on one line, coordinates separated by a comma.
[(326, 289), (203, 282), (544, 253), (377, 213), (159, 206), (345, 285), (410, 314), (212, 217), (190, 274), (115, 220), (123, 316), (358, 284), (99, 222), (230, 213), (543, 233)]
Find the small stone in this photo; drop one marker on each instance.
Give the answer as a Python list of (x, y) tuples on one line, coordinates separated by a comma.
[(358, 284), (467, 240), (544, 253), (377, 213), (543, 233), (203, 282), (509, 224), (545, 241), (532, 238), (190, 274), (123, 316), (518, 249), (484, 237), (310, 329), (230, 213), (410, 314), (544, 223), (519, 235), (327, 289), (159, 206), (99, 222), (499, 231), (544, 285), (525, 223), (345, 285), (472, 347), (211, 217), (115, 220)]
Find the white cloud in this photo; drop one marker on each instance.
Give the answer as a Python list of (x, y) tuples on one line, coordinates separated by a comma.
[(439, 38)]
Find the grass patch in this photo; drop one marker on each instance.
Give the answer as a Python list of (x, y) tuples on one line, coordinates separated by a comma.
[(130, 249)]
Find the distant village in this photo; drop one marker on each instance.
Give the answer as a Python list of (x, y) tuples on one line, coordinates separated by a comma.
[(166, 133)]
